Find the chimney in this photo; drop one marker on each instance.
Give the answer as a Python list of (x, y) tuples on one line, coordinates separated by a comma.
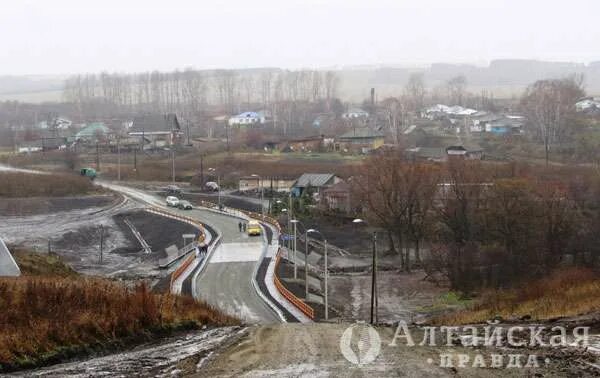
[(372, 96)]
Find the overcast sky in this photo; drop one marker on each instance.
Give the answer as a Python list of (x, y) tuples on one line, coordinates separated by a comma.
[(68, 36)]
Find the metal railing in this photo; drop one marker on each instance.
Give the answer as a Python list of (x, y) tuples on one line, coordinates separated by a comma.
[(300, 304)]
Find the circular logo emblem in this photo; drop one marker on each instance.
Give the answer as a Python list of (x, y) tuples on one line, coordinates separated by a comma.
[(360, 344)]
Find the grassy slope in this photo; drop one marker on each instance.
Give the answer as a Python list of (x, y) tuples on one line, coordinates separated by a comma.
[(564, 293), (51, 313), (17, 184)]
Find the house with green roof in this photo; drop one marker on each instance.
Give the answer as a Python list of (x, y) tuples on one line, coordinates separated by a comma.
[(93, 132)]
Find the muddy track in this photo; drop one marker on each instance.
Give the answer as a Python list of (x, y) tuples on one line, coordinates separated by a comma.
[(174, 356)]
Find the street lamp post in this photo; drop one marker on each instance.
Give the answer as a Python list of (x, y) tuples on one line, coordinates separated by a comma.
[(286, 241), (295, 223), (373, 274), (262, 194), (214, 170), (326, 273)]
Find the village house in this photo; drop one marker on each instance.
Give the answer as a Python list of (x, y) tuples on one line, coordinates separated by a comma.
[(158, 130), (470, 151), (94, 132), (248, 119), (254, 183), (317, 182), (361, 140), (337, 197), (307, 144), (354, 113)]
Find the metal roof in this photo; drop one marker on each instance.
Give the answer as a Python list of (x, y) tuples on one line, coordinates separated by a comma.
[(92, 129), (314, 179), (155, 123), (8, 266), (362, 133)]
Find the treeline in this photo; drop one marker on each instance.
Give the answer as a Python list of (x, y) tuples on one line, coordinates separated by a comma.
[(482, 224), (191, 93)]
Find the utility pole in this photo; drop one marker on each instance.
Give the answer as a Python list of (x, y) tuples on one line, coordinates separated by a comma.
[(173, 163), (101, 242), (326, 275), (119, 158), (135, 160), (295, 239), (202, 171), (306, 266), (271, 196), (374, 282), (97, 157)]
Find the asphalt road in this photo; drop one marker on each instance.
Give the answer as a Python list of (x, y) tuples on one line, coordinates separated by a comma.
[(226, 283)]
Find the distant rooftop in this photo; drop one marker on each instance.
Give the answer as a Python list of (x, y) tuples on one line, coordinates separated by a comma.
[(314, 179), (362, 132)]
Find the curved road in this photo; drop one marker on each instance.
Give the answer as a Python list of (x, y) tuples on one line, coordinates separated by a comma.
[(226, 282)]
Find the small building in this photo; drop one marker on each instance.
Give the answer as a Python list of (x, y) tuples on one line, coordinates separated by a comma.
[(316, 181), (159, 130), (323, 120), (472, 152), (43, 144), (307, 144), (248, 119), (354, 113), (254, 183), (433, 154), (337, 197), (360, 140)]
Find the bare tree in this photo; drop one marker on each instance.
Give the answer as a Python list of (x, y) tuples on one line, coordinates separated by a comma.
[(415, 91), (549, 104), (456, 88)]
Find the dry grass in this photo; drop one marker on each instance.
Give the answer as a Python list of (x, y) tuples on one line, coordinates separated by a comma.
[(17, 184), (567, 292), (36, 264), (41, 316)]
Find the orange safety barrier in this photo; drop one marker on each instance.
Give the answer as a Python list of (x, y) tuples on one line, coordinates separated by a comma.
[(300, 304), (181, 268)]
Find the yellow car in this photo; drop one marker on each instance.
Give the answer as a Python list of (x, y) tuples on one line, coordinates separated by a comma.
[(253, 228)]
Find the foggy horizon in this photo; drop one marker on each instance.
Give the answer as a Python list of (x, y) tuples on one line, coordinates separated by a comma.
[(65, 37)]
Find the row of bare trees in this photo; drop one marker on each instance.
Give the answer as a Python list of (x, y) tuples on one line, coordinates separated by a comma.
[(191, 92), (481, 224)]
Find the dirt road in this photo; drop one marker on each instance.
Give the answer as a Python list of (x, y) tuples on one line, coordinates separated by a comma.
[(301, 350), (172, 357)]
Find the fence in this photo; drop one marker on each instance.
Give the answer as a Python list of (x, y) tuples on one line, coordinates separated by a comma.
[(180, 269), (300, 304)]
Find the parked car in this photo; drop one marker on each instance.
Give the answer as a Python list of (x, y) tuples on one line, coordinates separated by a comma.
[(211, 186), (88, 172), (253, 228), (172, 201), (185, 205), (173, 189)]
